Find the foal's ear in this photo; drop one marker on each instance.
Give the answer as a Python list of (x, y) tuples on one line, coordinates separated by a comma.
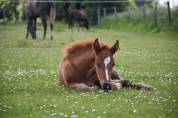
[(96, 46), (115, 47)]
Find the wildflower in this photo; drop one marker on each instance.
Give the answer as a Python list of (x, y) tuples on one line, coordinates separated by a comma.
[(93, 110), (53, 114), (74, 116), (134, 110), (61, 114)]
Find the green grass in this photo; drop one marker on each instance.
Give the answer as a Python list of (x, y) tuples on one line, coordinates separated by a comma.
[(29, 86)]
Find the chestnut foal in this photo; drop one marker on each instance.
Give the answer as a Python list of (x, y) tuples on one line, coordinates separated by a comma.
[(89, 66)]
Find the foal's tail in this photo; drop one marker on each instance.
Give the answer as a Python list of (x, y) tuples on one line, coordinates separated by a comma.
[(51, 19)]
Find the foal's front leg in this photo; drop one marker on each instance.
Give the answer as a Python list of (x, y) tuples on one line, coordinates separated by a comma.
[(82, 87), (126, 83), (141, 86)]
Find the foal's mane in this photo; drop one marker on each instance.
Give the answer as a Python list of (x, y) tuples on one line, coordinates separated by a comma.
[(81, 46)]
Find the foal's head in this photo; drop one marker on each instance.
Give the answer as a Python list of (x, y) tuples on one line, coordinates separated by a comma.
[(104, 63)]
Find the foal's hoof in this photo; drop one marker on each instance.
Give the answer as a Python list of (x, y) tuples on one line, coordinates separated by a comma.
[(93, 88), (142, 86), (125, 83), (149, 88)]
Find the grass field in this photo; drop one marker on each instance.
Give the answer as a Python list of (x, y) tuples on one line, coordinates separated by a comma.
[(29, 85)]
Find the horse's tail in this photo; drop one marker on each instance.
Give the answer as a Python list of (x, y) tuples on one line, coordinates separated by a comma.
[(52, 15), (51, 19)]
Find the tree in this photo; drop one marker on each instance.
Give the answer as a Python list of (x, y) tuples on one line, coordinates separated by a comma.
[(9, 9)]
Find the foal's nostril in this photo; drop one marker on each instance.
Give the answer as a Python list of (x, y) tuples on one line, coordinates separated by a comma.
[(107, 86)]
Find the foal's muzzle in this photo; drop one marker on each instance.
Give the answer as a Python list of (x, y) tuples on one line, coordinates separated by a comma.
[(107, 87)]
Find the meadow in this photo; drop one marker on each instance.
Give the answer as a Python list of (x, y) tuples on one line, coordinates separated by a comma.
[(29, 85)]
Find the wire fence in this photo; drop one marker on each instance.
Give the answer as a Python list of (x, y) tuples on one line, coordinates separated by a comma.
[(76, 1), (147, 10)]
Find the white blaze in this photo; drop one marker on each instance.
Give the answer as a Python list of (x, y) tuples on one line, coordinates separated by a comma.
[(106, 62)]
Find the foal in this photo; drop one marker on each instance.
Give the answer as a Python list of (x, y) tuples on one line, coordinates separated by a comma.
[(89, 66)]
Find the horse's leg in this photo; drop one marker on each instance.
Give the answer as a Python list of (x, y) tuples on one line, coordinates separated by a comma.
[(82, 25), (87, 24), (71, 26), (51, 27), (34, 26), (82, 87), (31, 27), (44, 21), (79, 25), (28, 27)]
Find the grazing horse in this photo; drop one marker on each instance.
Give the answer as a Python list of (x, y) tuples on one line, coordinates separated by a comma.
[(89, 66), (39, 8), (79, 16)]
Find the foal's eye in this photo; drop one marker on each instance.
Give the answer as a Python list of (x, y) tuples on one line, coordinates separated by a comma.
[(98, 65)]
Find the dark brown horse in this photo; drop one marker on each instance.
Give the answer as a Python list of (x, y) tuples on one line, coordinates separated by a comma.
[(39, 8), (89, 66), (78, 16)]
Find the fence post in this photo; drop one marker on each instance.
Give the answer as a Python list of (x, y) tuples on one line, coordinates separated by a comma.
[(115, 12), (129, 10), (144, 11), (98, 15), (104, 12), (169, 12), (156, 14), (4, 16)]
